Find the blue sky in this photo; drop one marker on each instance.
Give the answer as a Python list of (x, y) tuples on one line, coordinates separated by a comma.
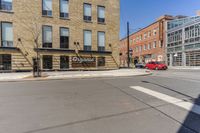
[(141, 13)]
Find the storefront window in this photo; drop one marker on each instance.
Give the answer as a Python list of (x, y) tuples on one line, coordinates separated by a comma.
[(64, 62), (101, 61), (47, 62), (5, 62)]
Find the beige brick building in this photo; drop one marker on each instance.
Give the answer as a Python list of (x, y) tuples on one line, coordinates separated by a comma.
[(70, 34)]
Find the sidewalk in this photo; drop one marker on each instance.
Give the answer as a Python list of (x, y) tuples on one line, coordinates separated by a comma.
[(184, 67), (73, 75)]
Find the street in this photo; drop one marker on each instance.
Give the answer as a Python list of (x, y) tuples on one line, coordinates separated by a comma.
[(165, 102)]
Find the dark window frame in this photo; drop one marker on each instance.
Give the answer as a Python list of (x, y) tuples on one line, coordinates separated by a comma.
[(5, 65), (63, 15), (1, 26), (46, 66), (87, 48), (64, 65), (68, 38), (3, 9), (101, 48), (48, 45), (100, 20), (45, 12), (87, 18), (101, 61)]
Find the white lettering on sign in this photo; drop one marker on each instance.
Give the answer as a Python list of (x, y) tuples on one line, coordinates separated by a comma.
[(83, 59)]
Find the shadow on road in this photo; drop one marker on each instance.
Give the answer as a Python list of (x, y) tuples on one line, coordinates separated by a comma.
[(191, 124)]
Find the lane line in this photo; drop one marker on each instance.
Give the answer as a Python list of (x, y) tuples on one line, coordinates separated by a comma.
[(178, 102)]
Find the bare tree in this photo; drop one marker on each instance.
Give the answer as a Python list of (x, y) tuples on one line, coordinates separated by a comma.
[(30, 20)]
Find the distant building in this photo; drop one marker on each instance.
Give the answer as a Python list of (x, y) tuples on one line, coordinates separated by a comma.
[(71, 34), (183, 41), (147, 44)]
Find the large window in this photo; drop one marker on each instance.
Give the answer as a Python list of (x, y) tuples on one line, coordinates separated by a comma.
[(101, 41), (64, 62), (64, 38), (47, 36), (87, 40), (47, 62), (5, 62), (6, 5), (87, 12), (47, 8), (64, 8), (101, 61), (7, 35), (101, 14)]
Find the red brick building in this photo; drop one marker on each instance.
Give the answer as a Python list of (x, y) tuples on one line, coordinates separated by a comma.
[(147, 44)]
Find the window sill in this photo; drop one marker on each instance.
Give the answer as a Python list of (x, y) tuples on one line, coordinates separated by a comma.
[(5, 11), (47, 16), (64, 18), (86, 21), (101, 23)]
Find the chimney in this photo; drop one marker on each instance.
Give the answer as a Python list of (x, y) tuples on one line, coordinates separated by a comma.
[(198, 13)]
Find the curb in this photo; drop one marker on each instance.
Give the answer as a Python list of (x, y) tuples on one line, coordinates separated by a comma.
[(68, 78)]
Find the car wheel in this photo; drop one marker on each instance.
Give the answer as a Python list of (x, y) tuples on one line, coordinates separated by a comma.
[(156, 68)]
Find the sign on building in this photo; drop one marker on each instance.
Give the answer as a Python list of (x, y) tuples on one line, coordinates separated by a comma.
[(83, 61)]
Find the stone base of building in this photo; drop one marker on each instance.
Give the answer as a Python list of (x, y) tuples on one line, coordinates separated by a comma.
[(14, 60)]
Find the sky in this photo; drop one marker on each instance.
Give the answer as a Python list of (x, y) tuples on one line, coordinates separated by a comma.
[(141, 13)]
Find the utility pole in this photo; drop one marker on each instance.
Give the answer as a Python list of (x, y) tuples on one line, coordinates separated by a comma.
[(128, 46)]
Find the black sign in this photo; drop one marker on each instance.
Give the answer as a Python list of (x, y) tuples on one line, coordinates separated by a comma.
[(83, 61)]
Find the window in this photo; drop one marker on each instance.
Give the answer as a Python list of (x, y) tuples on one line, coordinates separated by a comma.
[(64, 8), (47, 62), (87, 12), (6, 5), (154, 44), (101, 41), (5, 62), (87, 40), (145, 47), (149, 46), (47, 7), (160, 44), (149, 34), (47, 36), (140, 48), (101, 14), (154, 32), (64, 38), (64, 62), (101, 61), (7, 34)]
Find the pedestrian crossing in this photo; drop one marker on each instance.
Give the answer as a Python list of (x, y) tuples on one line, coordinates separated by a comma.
[(169, 99)]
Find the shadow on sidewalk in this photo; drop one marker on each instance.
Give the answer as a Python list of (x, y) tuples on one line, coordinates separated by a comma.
[(191, 123)]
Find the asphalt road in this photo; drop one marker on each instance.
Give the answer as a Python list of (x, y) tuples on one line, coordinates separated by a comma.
[(166, 102)]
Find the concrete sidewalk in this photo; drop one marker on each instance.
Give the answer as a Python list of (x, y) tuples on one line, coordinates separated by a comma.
[(73, 74), (184, 67)]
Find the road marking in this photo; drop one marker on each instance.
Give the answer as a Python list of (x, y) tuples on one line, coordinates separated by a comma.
[(178, 102)]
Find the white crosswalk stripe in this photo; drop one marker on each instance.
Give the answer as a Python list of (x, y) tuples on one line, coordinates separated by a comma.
[(178, 102)]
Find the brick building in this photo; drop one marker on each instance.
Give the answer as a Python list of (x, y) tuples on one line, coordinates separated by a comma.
[(67, 34), (147, 44)]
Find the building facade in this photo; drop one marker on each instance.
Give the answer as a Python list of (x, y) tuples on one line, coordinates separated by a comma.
[(183, 41), (147, 44), (65, 34)]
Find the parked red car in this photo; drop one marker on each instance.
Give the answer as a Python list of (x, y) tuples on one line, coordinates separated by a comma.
[(156, 66)]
